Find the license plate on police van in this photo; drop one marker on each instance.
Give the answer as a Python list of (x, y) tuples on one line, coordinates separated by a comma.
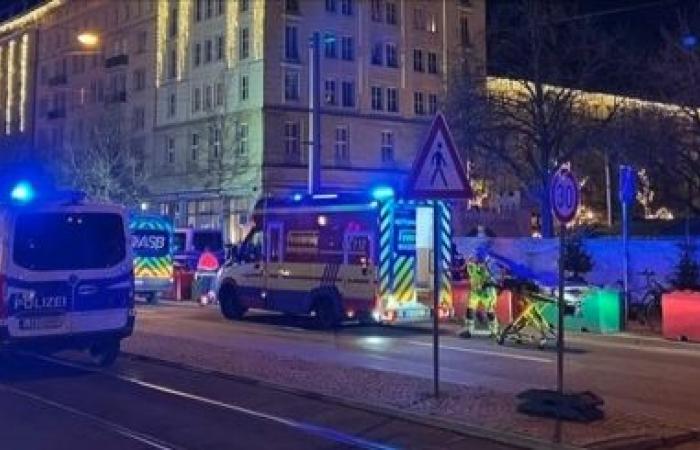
[(41, 322)]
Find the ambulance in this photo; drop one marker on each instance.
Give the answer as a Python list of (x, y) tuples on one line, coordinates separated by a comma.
[(336, 258), (151, 242), (66, 275)]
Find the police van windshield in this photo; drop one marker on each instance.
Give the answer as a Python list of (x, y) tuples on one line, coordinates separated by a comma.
[(207, 240), (69, 241)]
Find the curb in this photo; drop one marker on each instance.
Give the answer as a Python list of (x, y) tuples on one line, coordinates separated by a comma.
[(647, 443), (502, 437)]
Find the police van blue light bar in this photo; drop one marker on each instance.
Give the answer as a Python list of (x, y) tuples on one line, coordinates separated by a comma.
[(382, 192), (324, 196), (22, 192)]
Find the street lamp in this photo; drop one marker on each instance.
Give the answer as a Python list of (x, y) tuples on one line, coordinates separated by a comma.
[(88, 39)]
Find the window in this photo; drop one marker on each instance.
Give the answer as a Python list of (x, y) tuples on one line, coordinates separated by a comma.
[(464, 31), (329, 92), (292, 151), (243, 139), (331, 5), (348, 94), (330, 48), (173, 22), (291, 43), (392, 59), (418, 60), (346, 7), (432, 103), (342, 150), (172, 64), (207, 51), (291, 6), (215, 140), (431, 23), (198, 10), (208, 97), (387, 147), (347, 48), (244, 88), (291, 85), (377, 104), (377, 56), (139, 79), (220, 94), (195, 146), (170, 150), (376, 10), (197, 99), (197, 54), (243, 5), (432, 62), (419, 19), (391, 13), (392, 99), (244, 44), (220, 48), (141, 42), (172, 105), (210, 8), (219, 7), (138, 119), (418, 105)]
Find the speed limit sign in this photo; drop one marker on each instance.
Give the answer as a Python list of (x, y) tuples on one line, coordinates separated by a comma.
[(564, 195)]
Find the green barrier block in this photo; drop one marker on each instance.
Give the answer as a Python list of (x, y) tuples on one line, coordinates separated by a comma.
[(599, 312)]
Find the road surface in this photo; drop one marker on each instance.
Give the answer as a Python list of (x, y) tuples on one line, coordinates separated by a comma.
[(62, 403), (642, 376)]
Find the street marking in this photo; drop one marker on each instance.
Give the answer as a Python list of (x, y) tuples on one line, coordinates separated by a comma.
[(119, 429), (486, 352), (308, 428)]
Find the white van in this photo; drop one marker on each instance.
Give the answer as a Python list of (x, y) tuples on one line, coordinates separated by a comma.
[(66, 275)]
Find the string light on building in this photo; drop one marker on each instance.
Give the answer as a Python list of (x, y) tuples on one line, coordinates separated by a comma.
[(24, 76), (10, 86)]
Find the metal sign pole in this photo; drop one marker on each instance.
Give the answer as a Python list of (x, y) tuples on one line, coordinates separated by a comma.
[(436, 296), (560, 326)]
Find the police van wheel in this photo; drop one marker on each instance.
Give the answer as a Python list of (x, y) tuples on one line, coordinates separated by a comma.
[(104, 353), (326, 314), (228, 302)]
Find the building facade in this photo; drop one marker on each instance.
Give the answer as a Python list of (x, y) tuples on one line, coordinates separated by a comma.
[(214, 94)]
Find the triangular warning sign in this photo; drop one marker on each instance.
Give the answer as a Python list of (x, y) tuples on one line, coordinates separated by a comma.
[(438, 172)]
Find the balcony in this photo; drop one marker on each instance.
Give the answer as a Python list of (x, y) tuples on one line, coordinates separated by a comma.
[(58, 80), (56, 114), (117, 97), (115, 61)]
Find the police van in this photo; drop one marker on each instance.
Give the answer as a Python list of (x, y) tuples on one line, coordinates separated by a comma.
[(335, 258), (66, 275)]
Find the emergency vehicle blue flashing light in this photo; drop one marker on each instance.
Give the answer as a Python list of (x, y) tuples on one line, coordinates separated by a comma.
[(382, 192), (23, 192), (297, 197)]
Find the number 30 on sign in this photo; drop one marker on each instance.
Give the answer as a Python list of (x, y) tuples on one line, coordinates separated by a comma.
[(564, 195)]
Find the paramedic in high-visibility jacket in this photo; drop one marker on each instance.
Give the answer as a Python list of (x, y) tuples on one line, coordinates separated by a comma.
[(482, 291)]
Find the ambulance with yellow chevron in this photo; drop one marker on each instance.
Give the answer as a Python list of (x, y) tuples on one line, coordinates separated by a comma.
[(336, 257)]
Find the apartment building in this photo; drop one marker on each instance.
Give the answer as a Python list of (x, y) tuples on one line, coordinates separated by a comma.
[(215, 93)]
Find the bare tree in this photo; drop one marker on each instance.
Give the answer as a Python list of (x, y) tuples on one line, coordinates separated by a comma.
[(105, 166), (538, 120)]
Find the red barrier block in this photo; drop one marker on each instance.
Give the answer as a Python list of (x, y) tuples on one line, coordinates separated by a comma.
[(681, 315)]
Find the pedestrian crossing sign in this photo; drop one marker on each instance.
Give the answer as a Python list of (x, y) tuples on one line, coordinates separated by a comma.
[(438, 172)]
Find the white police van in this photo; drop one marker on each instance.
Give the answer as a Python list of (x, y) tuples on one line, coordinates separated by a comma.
[(66, 274)]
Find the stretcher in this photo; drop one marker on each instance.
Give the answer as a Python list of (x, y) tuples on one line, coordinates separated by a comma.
[(530, 324)]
